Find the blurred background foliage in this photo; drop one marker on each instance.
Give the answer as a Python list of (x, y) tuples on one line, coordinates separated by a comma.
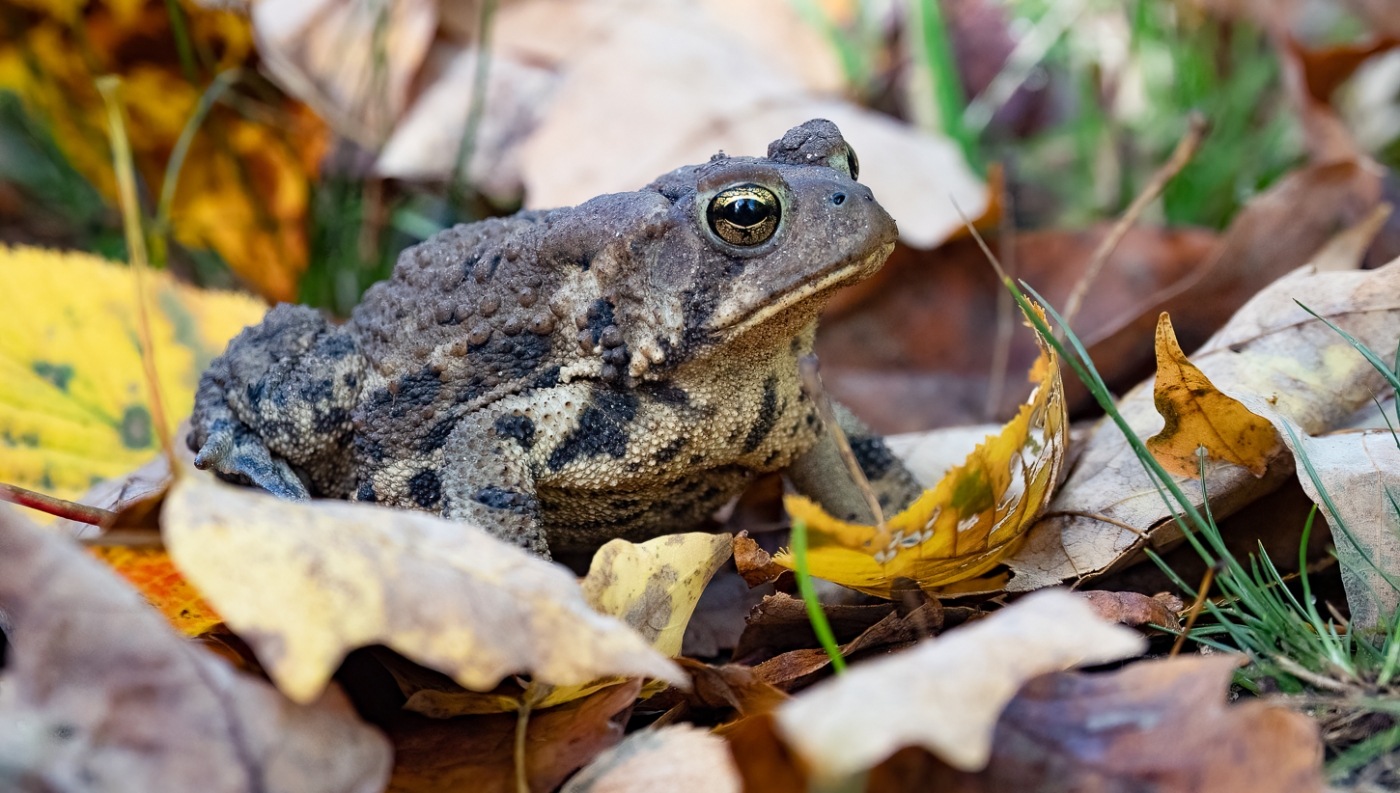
[(1069, 105)]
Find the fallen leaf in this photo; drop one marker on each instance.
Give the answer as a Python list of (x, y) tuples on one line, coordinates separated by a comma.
[(796, 669), (476, 754), (1361, 474), (150, 572), (1162, 725), (720, 616), (652, 587), (99, 694), (781, 623), (677, 757), (945, 695), (244, 186), (74, 402), (304, 583), (1134, 608), (1273, 357), (964, 525), (352, 62), (727, 688), (1198, 416), (1279, 230), (755, 564)]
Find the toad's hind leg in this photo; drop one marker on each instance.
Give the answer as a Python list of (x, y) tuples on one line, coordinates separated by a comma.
[(275, 409), (487, 479)]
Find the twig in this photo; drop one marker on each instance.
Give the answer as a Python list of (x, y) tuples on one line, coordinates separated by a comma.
[(1195, 611), (1096, 516), (1006, 323), (1196, 128), (812, 382), (535, 693), (71, 510)]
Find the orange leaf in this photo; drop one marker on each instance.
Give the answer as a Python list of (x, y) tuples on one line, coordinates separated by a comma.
[(152, 573)]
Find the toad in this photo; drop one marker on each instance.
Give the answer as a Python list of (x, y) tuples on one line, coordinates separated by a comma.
[(621, 368)]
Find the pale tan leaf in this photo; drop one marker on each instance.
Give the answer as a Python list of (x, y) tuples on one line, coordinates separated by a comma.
[(679, 757), (946, 693), (305, 583)]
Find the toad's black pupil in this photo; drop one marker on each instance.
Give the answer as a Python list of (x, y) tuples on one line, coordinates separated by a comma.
[(745, 212)]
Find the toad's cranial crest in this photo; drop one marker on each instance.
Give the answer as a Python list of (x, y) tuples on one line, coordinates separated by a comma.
[(621, 368)]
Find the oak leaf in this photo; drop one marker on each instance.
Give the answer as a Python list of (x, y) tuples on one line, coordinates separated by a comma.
[(1198, 415)]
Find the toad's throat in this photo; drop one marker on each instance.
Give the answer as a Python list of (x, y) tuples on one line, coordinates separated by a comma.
[(840, 274)]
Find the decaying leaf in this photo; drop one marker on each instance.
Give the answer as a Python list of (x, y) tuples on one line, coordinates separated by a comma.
[(1198, 415), (306, 583), (679, 757), (476, 754), (945, 695), (1171, 731), (1135, 608), (98, 694), (74, 403), (1273, 357), (150, 571), (963, 526), (654, 585), (796, 669)]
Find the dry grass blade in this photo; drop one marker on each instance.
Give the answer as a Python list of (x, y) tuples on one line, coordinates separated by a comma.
[(1185, 150), (110, 87)]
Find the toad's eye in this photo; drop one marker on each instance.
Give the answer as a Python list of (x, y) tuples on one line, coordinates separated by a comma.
[(745, 215), (852, 163)]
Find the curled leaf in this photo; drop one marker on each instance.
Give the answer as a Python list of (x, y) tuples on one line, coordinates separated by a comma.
[(966, 524), (1198, 415)]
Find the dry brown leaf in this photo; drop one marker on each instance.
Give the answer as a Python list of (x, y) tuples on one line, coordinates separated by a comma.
[(350, 61), (1134, 608), (945, 695), (1171, 732), (798, 668), (304, 583), (476, 754), (99, 694), (1273, 357), (755, 564), (1283, 228), (780, 623), (1198, 416), (678, 757)]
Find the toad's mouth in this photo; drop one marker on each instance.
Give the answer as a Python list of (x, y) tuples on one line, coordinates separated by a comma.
[(840, 274)]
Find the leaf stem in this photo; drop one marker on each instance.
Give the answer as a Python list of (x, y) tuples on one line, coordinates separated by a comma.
[(71, 510)]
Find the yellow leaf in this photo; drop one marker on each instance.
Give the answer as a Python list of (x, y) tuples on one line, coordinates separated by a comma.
[(966, 524), (74, 403), (1198, 414), (151, 572), (305, 583), (244, 188)]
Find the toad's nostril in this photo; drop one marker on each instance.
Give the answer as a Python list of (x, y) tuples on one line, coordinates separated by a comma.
[(838, 199)]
